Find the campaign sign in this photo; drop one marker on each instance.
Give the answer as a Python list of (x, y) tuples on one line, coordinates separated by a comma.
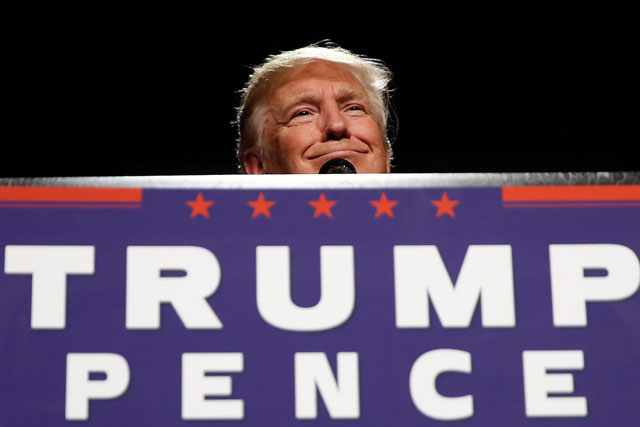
[(491, 306)]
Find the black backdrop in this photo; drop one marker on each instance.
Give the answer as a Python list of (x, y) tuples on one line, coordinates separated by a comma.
[(100, 88)]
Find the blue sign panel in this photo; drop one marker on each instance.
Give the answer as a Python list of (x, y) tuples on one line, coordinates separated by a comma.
[(372, 306)]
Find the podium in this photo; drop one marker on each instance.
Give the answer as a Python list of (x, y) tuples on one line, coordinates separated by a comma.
[(402, 299)]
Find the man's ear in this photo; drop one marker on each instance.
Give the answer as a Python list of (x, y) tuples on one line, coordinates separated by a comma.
[(252, 162)]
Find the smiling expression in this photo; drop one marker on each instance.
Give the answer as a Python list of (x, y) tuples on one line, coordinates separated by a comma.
[(316, 113)]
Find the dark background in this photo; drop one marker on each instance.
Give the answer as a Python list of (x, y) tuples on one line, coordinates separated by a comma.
[(100, 88)]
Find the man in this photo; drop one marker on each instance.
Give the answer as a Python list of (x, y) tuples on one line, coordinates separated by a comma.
[(304, 107)]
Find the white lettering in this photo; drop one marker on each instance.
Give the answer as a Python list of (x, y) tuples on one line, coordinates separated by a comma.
[(196, 386), (420, 274), (538, 383), (147, 289), (422, 384), (274, 289), (341, 397), (571, 289), (81, 389), (49, 266)]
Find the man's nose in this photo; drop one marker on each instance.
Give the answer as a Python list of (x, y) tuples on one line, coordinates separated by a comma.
[(336, 126)]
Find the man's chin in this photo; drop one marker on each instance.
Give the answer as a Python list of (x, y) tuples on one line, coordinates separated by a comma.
[(359, 162), (351, 156)]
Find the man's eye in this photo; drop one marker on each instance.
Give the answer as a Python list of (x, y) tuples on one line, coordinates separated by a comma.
[(301, 113), (355, 108)]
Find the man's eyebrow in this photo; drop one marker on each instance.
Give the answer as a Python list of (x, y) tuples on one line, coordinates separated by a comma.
[(342, 94), (301, 98), (348, 93)]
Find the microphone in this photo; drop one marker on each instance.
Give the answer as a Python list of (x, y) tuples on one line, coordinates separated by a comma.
[(337, 166)]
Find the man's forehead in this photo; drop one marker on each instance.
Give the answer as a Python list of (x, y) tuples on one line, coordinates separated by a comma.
[(320, 67), (304, 82)]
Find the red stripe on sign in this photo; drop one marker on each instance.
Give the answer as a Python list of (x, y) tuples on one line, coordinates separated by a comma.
[(70, 205), (563, 193), (570, 205), (69, 194)]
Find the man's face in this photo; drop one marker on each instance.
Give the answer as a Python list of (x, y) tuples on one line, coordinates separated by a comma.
[(316, 113)]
